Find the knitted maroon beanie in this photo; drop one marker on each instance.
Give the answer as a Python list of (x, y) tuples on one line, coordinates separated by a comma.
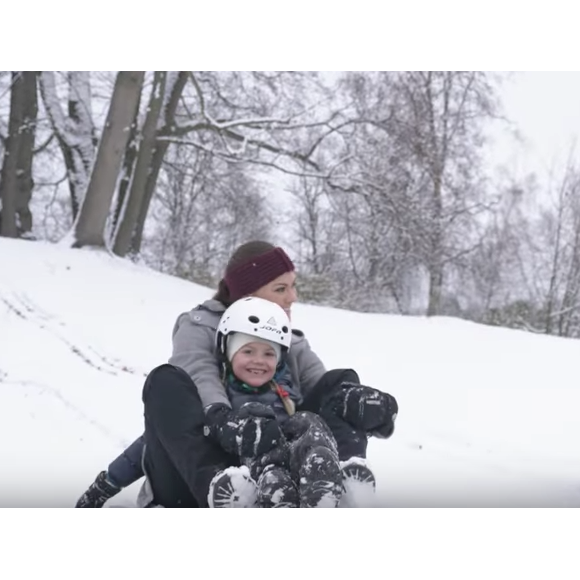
[(257, 272)]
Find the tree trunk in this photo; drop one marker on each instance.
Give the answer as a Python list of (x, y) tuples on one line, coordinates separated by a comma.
[(175, 91), (16, 181), (75, 133), (130, 212), (127, 169), (92, 218), (436, 250)]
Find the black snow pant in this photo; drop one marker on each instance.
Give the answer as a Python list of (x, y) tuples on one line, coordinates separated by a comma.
[(180, 460)]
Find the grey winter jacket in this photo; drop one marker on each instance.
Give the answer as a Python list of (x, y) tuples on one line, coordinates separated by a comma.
[(194, 351)]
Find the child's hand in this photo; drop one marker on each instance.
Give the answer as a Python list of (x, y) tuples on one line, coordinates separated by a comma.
[(279, 456), (250, 432)]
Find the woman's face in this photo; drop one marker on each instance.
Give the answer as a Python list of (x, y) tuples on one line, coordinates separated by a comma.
[(281, 291)]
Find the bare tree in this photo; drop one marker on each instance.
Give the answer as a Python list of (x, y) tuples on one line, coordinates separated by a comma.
[(16, 182), (242, 118), (204, 208), (75, 130), (144, 166), (559, 232), (568, 317), (373, 192), (405, 181), (137, 192), (316, 238), (438, 121), (5, 86), (494, 279), (310, 195), (273, 119), (89, 229)]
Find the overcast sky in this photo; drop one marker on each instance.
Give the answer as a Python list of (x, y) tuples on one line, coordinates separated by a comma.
[(545, 108)]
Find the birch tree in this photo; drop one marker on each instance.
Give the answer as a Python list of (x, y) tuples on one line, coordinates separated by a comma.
[(5, 86), (75, 130)]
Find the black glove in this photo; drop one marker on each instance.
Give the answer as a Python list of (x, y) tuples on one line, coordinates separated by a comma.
[(98, 493), (250, 432), (367, 409), (279, 456)]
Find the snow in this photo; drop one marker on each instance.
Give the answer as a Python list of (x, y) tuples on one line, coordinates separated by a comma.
[(488, 416)]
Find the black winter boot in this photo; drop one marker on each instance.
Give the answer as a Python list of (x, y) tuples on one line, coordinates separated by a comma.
[(314, 460), (320, 479), (358, 483), (232, 487), (98, 493)]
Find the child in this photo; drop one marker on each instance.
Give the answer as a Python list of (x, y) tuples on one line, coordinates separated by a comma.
[(303, 470)]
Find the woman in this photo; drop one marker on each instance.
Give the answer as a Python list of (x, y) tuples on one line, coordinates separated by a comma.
[(177, 450)]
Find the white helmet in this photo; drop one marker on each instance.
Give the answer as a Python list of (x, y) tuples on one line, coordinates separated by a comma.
[(255, 317)]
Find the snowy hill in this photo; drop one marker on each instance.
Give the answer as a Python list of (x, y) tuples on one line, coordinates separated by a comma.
[(488, 416)]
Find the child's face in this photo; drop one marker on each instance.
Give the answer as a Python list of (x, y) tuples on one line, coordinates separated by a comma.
[(255, 364)]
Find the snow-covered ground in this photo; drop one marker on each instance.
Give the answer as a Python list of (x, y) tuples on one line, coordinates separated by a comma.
[(488, 416)]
